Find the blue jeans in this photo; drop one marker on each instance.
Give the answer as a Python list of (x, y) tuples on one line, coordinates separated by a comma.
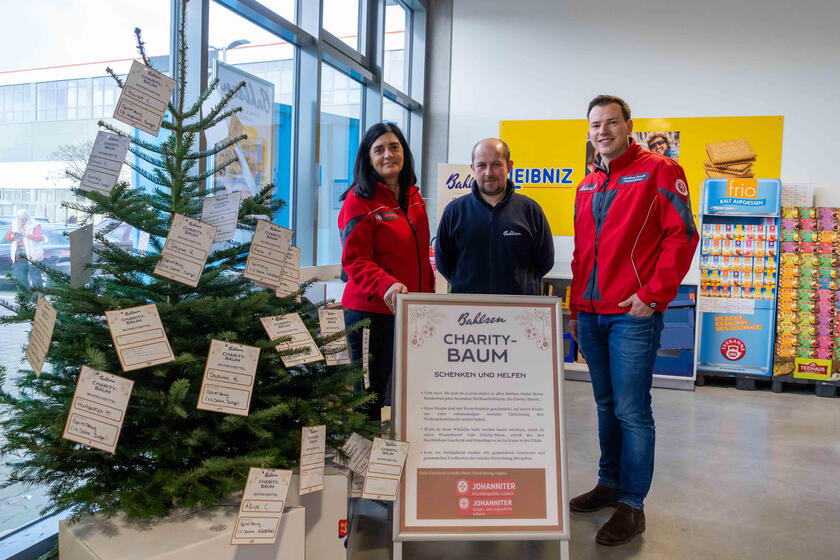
[(620, 351)]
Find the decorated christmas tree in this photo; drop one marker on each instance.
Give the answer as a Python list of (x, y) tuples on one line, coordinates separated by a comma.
[(169, 453)]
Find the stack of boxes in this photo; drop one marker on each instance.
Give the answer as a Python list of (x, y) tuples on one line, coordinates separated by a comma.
[(738, 260), (676, 352), (808, 324)]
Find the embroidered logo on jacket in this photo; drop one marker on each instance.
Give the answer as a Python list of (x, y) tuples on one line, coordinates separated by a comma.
[(633, 178), (681, 187), (590, 187), (386, 216), (511, 233)]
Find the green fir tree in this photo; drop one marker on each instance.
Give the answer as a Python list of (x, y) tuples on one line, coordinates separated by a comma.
[(169, 453)]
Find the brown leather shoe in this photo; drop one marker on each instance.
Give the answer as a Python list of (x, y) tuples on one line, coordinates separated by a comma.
[(597, 498), (622, 527)]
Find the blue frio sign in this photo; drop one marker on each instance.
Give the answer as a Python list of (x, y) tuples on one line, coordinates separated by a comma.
[(742, 196)]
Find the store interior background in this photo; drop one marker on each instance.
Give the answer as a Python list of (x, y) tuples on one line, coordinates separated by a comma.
[(666, 58), (494, 60)]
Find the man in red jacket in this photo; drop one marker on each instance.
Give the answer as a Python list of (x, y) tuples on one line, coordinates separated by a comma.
[(634, 242)]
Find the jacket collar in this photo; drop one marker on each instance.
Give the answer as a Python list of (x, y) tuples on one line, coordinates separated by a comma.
[(509, 189), (384, 190), (621, 161)]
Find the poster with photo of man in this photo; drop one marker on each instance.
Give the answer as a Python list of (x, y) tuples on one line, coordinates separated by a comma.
[(253, 166), (663, 143)]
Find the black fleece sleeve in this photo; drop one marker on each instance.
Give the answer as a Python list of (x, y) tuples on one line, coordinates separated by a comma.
[(543, 249), (445, 249)]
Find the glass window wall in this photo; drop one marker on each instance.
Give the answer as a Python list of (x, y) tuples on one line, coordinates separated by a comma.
[(340, 131), (395, 65), (241, 51), (51, 96), (341, 18), (395, 113)]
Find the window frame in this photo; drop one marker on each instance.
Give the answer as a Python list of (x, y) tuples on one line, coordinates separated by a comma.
[(315, 46)]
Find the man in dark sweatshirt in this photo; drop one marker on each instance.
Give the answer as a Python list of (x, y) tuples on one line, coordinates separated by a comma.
[(493, 241)]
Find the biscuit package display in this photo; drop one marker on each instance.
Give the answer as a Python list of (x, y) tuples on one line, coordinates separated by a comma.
[(738, 260), (807, 319), (739, 246), (730, 160)]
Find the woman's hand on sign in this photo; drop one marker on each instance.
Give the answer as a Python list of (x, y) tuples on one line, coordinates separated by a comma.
[(390, 296)]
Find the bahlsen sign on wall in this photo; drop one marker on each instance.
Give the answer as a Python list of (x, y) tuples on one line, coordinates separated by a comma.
[(478, 394)]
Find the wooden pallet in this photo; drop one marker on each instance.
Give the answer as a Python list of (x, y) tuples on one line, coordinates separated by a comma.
[(821, 388), (751, 382)]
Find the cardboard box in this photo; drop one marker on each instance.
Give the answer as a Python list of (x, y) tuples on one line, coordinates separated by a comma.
[(204, 536), (326, 514)]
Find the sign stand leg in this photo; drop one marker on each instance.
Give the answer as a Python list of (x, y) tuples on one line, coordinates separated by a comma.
[(564, 550), (398, 550)]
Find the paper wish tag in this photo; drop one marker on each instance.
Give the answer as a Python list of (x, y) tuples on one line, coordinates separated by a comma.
[(262, 505), (384, 469), (313, 444), (186, 250), (366, 356), (290, 282), (279, 326), (267, 256), (222, 211), (357, 485), (138, 336), (144, 97), (105, 161), (228, 378), (81, 256), (41, 335), (336, 352), (357, 449), (98, 409)]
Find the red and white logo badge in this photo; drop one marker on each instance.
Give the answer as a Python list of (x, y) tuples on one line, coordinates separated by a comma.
[(464, 503), (733, 349), (342, 528), (813, 368), (463, 486), (681, 187)]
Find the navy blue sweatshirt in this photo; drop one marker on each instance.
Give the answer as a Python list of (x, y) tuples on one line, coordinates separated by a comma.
[(482, 249)]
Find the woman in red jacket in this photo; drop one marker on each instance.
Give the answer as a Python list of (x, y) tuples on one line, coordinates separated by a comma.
[(385, 239)]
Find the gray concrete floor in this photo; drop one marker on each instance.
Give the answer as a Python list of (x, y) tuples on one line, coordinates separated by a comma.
[(739, 474)]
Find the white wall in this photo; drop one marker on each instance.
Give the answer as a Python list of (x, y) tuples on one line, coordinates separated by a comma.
[(545, 59)]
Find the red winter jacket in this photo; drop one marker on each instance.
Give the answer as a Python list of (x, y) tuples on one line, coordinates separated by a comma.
[(634, 233), (382, 246)]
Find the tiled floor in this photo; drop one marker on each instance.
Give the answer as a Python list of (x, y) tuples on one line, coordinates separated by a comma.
[(741, 475)]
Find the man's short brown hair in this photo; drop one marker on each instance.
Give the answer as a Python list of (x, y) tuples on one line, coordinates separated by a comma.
[(502, 143), (602, 100)]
